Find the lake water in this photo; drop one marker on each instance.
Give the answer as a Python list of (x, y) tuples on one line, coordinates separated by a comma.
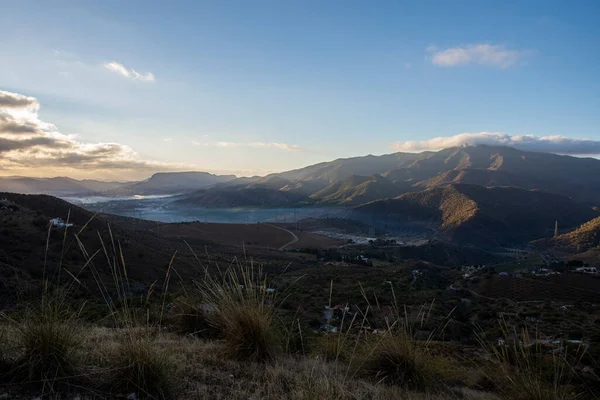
[(161, 208)]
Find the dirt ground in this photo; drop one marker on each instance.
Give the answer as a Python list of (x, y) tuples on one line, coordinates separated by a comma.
[(314, 241), (248, 235), (259, 235)]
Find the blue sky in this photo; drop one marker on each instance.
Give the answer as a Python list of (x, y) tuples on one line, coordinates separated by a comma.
[(253, 87)]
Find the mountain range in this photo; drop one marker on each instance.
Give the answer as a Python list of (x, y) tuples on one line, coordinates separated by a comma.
[(476, 194), (159, 183), (360, 179), (357, 180)]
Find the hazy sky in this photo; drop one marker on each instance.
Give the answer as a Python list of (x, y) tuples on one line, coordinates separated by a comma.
[(119, 89)]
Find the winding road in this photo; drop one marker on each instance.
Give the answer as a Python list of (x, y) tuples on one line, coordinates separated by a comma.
[(294, 240)]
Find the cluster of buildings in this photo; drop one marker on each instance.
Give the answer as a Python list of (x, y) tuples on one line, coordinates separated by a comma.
[(470, 270), (587, 270)]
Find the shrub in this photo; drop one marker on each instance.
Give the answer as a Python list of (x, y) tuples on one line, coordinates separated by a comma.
[(140, 366)]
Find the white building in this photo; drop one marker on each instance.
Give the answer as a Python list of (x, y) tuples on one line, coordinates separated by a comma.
[(59, 223), (587, 270)]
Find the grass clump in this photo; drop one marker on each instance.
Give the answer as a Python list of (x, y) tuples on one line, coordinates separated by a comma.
[(140, 366), (525, 369), (190, 318), (395, 359), (333, 347), (241, 308), (48, 339)]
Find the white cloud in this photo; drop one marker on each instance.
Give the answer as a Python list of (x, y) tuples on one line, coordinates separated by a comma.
[(548, 144), (15, 101), (273, 145), (27, 144), (483, 54), (129, 73)]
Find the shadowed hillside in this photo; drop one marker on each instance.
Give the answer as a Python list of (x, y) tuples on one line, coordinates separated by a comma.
[(478, 215), (584, 238), (241, 197)]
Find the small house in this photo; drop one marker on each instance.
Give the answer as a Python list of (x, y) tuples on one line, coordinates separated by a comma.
[(59, 223)]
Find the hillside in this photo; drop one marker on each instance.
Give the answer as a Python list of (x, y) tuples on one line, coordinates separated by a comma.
[(24, 233), (358, 190), (240, 197), (146, 246), (482, 177), (343, 168), (487, 216), (584, 238)]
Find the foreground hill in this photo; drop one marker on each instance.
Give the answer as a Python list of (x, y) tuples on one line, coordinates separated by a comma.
[(488, 216), (27, 241)]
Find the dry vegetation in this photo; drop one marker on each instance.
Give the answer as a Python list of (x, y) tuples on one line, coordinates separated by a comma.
[(229, 341)]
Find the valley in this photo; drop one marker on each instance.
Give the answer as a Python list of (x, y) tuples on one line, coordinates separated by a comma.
[(328, 240)]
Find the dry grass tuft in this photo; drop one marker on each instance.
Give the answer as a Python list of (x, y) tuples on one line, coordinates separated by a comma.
[(47, 339), (399, 360), (333, 347), (191, 319), (243, 311), (140, 366), (525, 370)]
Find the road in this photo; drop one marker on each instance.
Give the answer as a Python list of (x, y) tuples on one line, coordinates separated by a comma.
[(294, 240)]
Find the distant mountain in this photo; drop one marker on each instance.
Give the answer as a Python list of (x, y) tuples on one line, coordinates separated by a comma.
[(59, 186), (268, 191), (335, 182), (172, 183), (343, 168), (575, 177), (486, 216), (358, 190)]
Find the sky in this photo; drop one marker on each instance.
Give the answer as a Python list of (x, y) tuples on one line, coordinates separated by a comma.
[(118, 90)]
